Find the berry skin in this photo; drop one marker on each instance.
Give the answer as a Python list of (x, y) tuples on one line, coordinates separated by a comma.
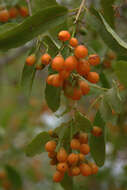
[(70, 63), (73, 159), (75, 144), (45, 59), (50, 79), (81, 51), (50, 146), (83, 67), (64, 74), (97, 131), (24, 11), (4, 15), (62, 155), (94, 168), (84, 149), (77, 94), (53, 162), (93, 77), (75, 171), (84, 87), (31, 60), (62, 167), (64, 36), (57, 81), (58, 63), (52, 155), (81, 157), (83, 138), (85, 169), (39, 67), (73, 42), (58, 176), (13, 12), (94, 60)]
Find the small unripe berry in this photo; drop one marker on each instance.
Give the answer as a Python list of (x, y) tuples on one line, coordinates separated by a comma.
[(73, 159), (62, 167), (62, 155), (81, 51), (94, 60), (84, 149), (93, 77), (50, 146), (75, 144), (58, 176), (46, 59), (73, 42), (64, 35), (97, 131), (85, 169)]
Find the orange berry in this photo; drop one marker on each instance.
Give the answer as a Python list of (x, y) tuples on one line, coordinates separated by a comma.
[(58, 63), (70, 63), (73, 42), (39, 67), (85, 169), (75, 144), (53, 162), (50, 146), (84, 149), (64, 35), (68, 89), (81, 157), (94, 59), (2, 175), (62, 155), (93, 77), (31, 60), (45, 59), (97, 131), (75, 171), (64, 74), (57, 81), (52, 155), (70, 172), (84, 87), (77, 94), (83, 67), (4, 15), (73, 159), (58, 176), (24, 11), (94, 168), (81, 51), (50, 79), (62, 167), (83, 138), (13, 12)]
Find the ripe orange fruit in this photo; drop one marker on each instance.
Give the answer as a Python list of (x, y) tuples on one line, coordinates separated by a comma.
[(68, 89), (64, 74), (81, 51), (93, 77), (94, 168), (85, 169), (58, 63), (73, 42), (13, 12), (58, 176), (77, 94), (83, 67), (52, 155), (62, 167), (75, 171), (50, 146), (81, 157), (73, 159), (97, 131), (70, 63), (75, 144), (4, 15), (50, 79), (45, 59), (94, 59), (64, 35), (83, 138), (57, 81), (30, 60), (84, 87), (84, 149), (24, 11), (62, 155)]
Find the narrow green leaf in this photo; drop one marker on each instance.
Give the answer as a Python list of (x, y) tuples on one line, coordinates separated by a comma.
[(82, 122), (37, 145), (39, 23), (67, 182), (97, 144), (103, 80), (14, 177)]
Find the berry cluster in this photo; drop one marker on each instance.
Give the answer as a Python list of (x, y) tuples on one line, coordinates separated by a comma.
[(14, 12), (66, 68), (74, 161)]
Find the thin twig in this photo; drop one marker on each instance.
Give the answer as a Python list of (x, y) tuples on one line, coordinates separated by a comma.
[(79, 11), (29, 7)]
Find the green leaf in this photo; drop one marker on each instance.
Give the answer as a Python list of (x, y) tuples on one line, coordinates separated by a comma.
[(82, 122), (121, 71), (108, 11), (67, 182), (104, 80), (34, 25), (97, 144), (14, 177), (97, 22), (37, 145), (38, 4)]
